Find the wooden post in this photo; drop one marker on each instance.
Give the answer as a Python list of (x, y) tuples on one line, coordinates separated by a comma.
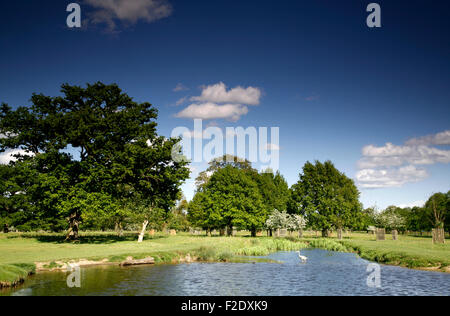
[(394, 234), (381, 234)]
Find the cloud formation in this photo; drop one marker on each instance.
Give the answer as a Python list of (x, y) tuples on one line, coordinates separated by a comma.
[(110, 12), (413, 204), (392, 165), (392, 155), (210, 111), (392, 177), (218, 93), (442, 138), (216, 102)]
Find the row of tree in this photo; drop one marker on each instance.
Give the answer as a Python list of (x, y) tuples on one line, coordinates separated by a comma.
[(230, 193), (435, 213), (93, 157)]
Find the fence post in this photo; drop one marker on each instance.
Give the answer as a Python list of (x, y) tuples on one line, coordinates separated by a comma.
[(381, 234), (394, 234)]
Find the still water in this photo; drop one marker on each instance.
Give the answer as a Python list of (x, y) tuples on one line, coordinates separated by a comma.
[(326, 273)]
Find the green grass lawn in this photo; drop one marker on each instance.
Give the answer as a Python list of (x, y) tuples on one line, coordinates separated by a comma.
[(27, 249), (14, 249), (412, 252)]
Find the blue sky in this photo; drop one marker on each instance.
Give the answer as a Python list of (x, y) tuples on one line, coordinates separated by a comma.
[(332, 85)]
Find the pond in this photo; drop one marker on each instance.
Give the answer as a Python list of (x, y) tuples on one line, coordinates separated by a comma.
[(325, 273)]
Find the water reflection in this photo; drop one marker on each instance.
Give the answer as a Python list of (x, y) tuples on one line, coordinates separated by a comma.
[(326, 273)]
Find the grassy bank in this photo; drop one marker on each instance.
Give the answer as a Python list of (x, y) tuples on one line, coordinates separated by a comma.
[(408, 251), (50, 251), (14, 274)]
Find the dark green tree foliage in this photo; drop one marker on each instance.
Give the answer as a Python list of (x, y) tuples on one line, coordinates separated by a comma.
[(274, 190), (326, 197), (178, 217), (121, 157), (230, 198), (367, 218)]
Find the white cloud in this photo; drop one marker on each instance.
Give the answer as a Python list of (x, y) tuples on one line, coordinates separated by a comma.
[(180, 87), (216, 102), (393, 177), (392, 155), (210, 111), (392, 165), (218, 93), (8, 156), (109, 12), (442, 138), (412, 204)]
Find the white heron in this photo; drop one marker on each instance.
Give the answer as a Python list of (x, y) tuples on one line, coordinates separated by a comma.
[(302, 258)]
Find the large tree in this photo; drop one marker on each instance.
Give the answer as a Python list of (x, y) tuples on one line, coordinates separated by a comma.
[(230, 198), (120, 155), (326, 196)]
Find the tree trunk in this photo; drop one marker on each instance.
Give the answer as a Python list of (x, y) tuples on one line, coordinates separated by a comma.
[(300, 233), (6, 229), (74, 223), (438, 235), (141, 235), (253, 232), (229, 231), (222, 232), (119, 229), (325, 233)]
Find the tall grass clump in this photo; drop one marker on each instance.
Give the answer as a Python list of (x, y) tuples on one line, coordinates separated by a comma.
[(266, 246), (327, 244), (206, 253)]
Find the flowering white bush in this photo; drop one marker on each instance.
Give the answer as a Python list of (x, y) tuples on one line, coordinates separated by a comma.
[(283, 220), (391, 220), (296, 222)]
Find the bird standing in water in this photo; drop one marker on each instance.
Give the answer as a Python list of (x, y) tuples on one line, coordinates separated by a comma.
[(302, 258)]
